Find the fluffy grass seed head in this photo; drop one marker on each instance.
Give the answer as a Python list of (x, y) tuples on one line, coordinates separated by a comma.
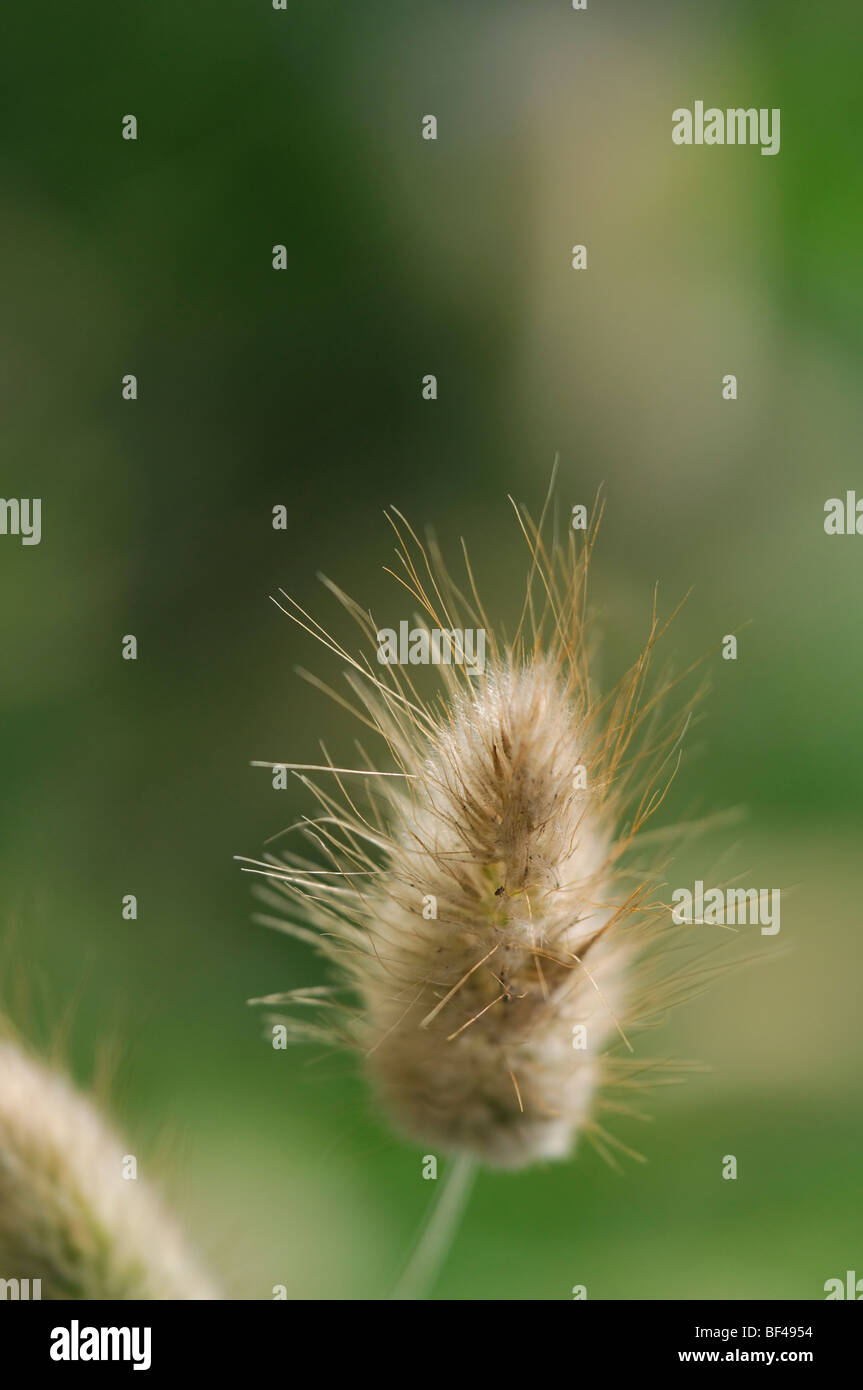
[(67, 1215), (476, 895)]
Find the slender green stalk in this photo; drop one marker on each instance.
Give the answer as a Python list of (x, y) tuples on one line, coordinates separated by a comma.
[(438, 1231)]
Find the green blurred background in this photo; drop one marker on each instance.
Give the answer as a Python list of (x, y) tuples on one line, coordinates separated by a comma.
[(302, 127)]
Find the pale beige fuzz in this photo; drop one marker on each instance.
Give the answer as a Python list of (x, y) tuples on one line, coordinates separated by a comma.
[(476, 890), (67, 1215)]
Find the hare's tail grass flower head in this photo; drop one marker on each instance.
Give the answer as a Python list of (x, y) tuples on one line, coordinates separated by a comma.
[(68, 1216), (475, 887)]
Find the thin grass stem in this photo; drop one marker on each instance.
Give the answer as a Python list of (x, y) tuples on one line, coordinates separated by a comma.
[(438, 1232)]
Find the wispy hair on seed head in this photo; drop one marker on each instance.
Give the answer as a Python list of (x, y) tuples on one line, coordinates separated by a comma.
[(545, 919)]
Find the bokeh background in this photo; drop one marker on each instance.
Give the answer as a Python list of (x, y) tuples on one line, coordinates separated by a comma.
[(405, 257)]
